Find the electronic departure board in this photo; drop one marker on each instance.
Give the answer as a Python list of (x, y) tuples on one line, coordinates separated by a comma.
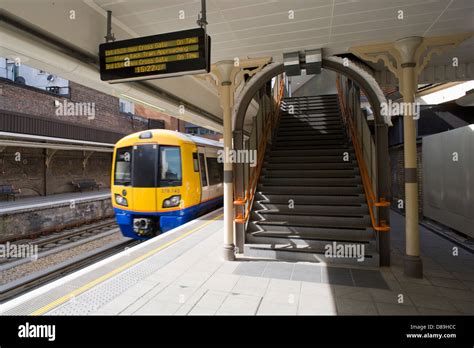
[(157, 56)]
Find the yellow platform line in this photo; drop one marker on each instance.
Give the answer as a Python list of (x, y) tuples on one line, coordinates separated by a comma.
[(129, 264)]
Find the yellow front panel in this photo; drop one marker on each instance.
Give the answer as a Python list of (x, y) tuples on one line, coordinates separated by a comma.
[(144, 199)]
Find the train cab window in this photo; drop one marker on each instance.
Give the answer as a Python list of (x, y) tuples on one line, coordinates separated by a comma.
[(215, 170), (195, 162), (170, 166), (123, 166), (202, 164), (144, 163)]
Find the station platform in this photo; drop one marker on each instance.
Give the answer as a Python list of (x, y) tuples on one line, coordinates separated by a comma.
[(182, 273), (25, 217), (34, 203)]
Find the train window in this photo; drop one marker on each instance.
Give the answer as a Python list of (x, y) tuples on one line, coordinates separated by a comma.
[(215, 170), (170, 166), (203, 170), (195, 162), (123, 167), (144, 160)]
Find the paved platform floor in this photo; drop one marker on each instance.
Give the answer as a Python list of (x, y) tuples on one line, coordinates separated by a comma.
[(189, 277), (45, 201)]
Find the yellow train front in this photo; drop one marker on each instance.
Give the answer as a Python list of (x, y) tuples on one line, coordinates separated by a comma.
[(162, 179)]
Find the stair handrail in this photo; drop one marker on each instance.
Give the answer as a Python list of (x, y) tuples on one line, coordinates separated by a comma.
[(372, 201), (271, 122)]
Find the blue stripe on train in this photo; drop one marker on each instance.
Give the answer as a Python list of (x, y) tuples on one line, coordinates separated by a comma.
[(168, 220)]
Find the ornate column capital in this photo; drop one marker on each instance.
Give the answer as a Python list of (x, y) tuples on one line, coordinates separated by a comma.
[(233, 72), (411, 51)]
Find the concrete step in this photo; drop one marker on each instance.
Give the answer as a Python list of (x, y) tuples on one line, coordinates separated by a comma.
[(303, 166), (311, 173), (314, 221), (310, 97), (323, 104), (314, 142), (312, 190), (312, 181), (311, 134), (310, 199), (311, 129), (288, 117), (308, 152), (310, 116), (309, 146), (306, 254), (262, 208), (314, 159), (276, 230), (319, 137), (309, 123), (310, 240), (305, 107)]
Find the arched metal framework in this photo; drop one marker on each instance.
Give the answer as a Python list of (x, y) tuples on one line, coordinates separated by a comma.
[(375, 97)]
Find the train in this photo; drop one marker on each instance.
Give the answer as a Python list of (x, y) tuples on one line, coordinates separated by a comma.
[(162, 179)]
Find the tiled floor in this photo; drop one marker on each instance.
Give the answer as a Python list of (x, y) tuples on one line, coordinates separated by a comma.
[(198, 282)]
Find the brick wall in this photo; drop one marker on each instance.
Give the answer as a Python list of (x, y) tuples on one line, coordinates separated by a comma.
[(25, 169), (171, 123), (32, 101), (398, 176)]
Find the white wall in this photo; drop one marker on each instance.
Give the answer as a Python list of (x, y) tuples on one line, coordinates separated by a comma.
[(324, 83)]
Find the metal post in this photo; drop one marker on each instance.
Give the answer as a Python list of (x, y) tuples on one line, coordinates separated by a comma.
[(239, 190), (110, 36), (413, 266), (225, 69)]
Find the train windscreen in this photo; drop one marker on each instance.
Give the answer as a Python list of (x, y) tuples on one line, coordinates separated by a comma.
[(148, 165), (144, 164)]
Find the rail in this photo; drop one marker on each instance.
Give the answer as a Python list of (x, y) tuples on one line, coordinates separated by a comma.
[(270, 124), (372, 201)]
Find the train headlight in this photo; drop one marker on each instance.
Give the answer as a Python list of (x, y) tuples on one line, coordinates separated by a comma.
[(173, 201), (121, 200)]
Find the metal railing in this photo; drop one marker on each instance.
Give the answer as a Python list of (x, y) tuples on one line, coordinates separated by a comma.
[(270, 123), (372, 201)]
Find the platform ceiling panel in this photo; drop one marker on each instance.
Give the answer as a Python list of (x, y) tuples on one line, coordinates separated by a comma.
[(251, 28), (263, 27)]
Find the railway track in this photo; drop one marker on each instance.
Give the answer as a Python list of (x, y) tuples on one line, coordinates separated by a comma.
[(71, 235), (32, 281)]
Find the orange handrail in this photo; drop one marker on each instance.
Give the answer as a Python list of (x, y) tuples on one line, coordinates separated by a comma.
[(369, 193), (272, 120)]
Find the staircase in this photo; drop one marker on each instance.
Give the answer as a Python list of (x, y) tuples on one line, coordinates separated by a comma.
[(310, 193)]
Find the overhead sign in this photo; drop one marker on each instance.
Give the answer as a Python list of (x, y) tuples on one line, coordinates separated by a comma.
[(157, 56)]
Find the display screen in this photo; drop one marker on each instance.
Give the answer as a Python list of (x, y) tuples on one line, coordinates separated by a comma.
[(157, 56)]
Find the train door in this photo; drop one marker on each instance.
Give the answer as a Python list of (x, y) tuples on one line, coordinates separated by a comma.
[(214, 173), (203, 172), (144, 177)]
